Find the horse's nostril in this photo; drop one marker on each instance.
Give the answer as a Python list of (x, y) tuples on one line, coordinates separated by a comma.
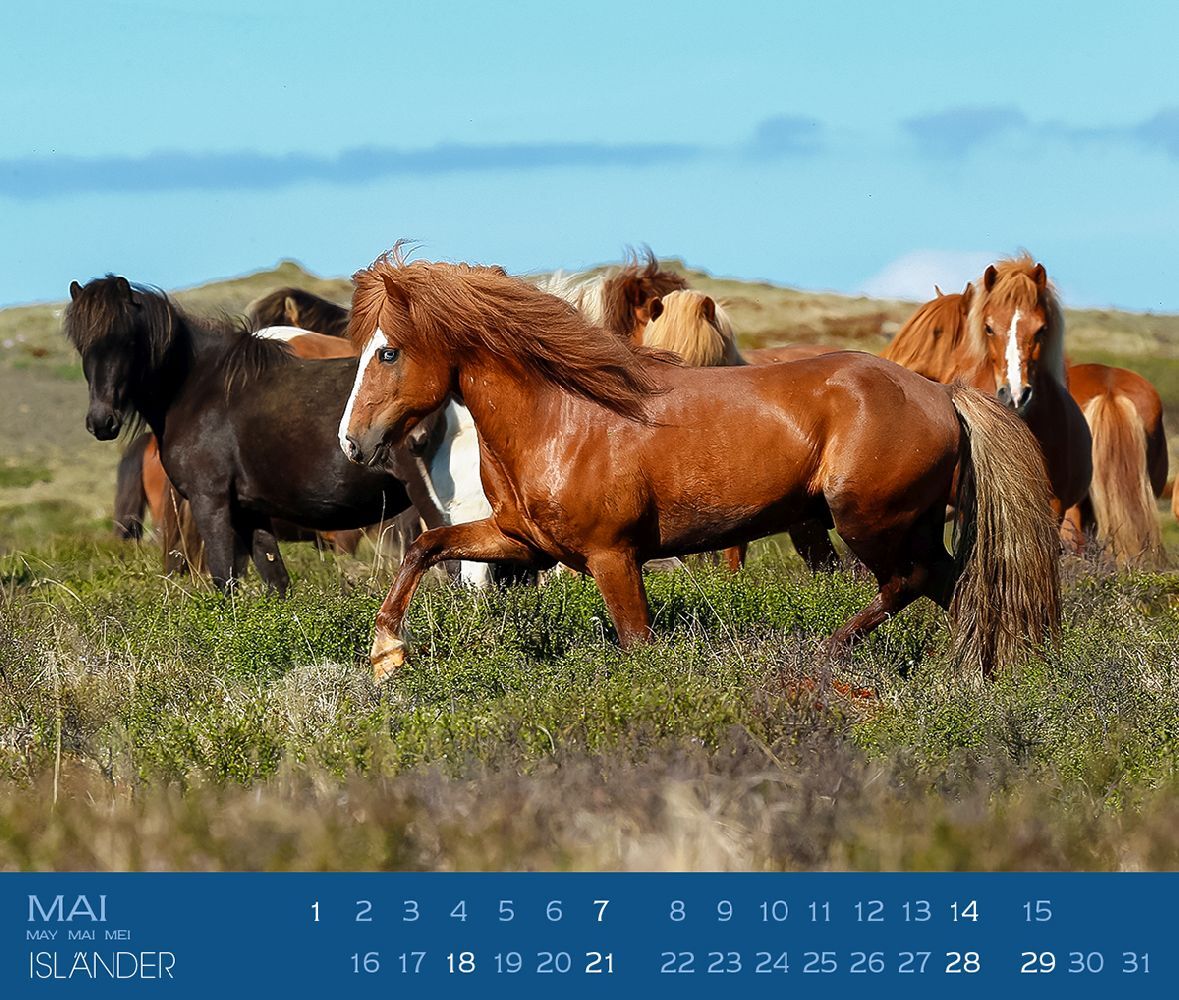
[(353, 449), (1025, 396)]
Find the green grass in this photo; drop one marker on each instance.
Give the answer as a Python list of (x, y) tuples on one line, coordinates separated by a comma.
[(181, 728), (147, 722)]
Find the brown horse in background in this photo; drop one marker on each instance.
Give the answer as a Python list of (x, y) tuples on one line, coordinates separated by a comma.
[(1006, 336), (623, 300), (602, 456), (1125, 417), (299, 308)]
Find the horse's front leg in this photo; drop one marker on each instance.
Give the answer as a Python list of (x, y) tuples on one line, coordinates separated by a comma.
[(619, 577), (481, 541), (214, 521)]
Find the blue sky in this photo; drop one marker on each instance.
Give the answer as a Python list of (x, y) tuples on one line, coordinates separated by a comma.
[(822, 146)]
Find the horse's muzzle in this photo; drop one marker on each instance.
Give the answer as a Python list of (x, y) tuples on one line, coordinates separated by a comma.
[(104, 425), (1018, 403), (351, 448)]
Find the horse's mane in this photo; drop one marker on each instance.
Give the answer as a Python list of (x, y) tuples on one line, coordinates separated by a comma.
[(933, 341), (695, 327), (423, 307), (145, 318), (313, 312), (1020, 280), (610, 298)]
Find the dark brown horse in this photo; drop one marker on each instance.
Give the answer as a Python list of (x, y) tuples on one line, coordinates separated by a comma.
[(300, 308), (601, 456), (246, 431)]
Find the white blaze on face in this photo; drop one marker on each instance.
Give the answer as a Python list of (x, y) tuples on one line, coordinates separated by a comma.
[(370, 349), (1014, 359)]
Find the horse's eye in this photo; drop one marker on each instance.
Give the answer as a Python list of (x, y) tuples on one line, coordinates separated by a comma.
[(990, 331), (388, 355), (1040, 332)]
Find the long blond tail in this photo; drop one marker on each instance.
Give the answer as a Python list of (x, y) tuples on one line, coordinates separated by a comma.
[(1006, 602), (1121, 492)]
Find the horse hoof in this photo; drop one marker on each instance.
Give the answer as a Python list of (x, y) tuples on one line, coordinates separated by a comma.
[(387, 657)]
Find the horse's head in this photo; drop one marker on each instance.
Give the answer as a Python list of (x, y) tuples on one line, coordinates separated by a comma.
[(1018, 316), (397, 384), (106, 322)]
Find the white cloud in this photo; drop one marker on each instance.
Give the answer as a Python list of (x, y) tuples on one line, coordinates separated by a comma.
[(913, 275)]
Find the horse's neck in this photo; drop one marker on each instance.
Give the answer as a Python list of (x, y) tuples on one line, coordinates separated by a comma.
[(192, 355), (511, 412)]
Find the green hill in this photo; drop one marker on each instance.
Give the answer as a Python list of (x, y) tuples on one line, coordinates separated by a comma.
[(55, 477)]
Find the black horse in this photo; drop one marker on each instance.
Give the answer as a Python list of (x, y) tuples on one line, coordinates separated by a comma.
[(247, 432)]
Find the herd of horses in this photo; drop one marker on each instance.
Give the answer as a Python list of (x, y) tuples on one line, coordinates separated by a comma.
[(602, 421)]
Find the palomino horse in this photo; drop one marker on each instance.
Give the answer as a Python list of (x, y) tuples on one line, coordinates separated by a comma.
[(1125, 417), (601, 456), (694, 326), (624, 299), (241, 458), (300, 308), (1006, 336)]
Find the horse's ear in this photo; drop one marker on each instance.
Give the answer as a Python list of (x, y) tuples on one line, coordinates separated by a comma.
[(708, 309), (654, 309), (989, 276), (124, 287), (397, 298), (967, 295), (937, 289), (75, 291), (290, 310), (1040, 277)]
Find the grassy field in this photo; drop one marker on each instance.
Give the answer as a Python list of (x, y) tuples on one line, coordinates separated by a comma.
[(146, 722)]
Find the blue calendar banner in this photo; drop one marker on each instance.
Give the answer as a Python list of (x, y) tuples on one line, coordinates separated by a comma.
[(589, 935)]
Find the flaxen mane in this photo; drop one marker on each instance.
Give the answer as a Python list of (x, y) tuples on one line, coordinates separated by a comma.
[(298, 307), (695, 327), (933, 341), (422, 307), (1016, 283)]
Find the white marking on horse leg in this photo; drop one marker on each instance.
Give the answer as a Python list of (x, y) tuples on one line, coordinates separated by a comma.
[(1014, 360), (377, 341)]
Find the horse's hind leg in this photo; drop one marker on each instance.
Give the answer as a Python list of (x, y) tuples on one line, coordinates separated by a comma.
[(812, 542), (257, 534), (619, 577), (907, 565), (481, 541)]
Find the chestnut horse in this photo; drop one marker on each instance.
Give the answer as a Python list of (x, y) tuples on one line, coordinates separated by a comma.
[(1006, 336), (622, 300), (246, 430), (695, 327), (602, 456), (1125, 417)]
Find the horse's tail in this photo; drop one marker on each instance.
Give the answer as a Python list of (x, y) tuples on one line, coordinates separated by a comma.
[(1006, 600), (130, 493), (184, 551), (1121, 492)]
